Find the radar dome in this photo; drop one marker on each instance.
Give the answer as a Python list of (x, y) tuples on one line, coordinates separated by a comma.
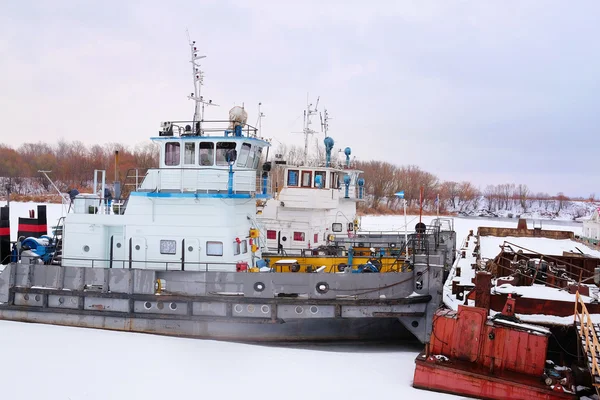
[(237, 116)]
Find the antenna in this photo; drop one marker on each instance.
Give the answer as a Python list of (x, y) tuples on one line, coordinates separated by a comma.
[(198, 76), (308, 113), (325, 122), (261, 115)]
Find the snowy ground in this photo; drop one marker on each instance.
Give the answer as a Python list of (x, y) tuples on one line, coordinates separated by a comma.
[(51, 362)]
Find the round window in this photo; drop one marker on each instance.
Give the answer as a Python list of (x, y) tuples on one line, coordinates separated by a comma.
[(86, 248)]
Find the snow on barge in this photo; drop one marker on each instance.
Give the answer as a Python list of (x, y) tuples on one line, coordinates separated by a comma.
[(520, 319), (177, 259)]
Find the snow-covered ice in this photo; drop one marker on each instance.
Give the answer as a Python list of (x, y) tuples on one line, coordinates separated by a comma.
[(61, 363)]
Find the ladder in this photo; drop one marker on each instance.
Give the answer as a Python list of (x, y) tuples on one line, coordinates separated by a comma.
[(588, 334)]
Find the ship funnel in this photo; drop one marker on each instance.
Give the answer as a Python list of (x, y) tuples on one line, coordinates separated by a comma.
[(347, 152), (328, 147)]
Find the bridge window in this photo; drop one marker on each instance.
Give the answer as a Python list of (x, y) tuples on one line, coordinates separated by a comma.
[(214, 248), (251, 158), (271, 234), (207, 153), (336, 227), (244, 246), (189, 153), (298, 236), (172, 153), (243, 158), (258, 156), (223, 148), (334, 181), (306, 178), (292, 179), (323, 176)]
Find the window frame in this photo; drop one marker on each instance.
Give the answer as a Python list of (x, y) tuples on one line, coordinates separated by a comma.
[(297, 234), (244, 245), (185, 153), (209, 243), (168, 251), (322, 174), (333, 226), (170, 159), (287, 181), (236, 248), (209, 148), (274, 234), (244, 154), (218, 151), (310, 177)]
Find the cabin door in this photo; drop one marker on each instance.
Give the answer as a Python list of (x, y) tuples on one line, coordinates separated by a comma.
[(116, 256), (137, 254), (191, 254)]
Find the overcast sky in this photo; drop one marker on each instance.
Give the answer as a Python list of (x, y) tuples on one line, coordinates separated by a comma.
[(486, 91)]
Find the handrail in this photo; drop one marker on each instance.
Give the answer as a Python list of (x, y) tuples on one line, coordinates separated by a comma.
[(586, 330)]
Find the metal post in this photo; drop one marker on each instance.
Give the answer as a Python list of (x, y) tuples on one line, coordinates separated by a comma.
[(405, 230)]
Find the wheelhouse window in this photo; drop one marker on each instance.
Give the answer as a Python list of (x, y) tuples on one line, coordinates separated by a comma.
[(292, 178), (298, 236), (214, 248), (189, 153), (320, 177), (244, 246), (335, 180), (172, 154), (223, 148), (271, 234), (243, 158), (258, 156), (251, 158), (207, 150), (236, 248), (336, 227), (306, 178)]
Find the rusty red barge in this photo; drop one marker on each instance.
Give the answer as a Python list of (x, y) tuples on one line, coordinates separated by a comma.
[(518, 324)]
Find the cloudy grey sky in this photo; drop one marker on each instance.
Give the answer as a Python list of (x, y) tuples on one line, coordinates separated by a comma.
[(486, 91)]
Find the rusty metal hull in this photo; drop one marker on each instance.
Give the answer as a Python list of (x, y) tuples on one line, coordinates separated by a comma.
[(465, 381), (333, 329)]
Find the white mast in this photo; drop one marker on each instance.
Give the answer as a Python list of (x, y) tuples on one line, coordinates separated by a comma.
[(308, 113), (261, 115), (198, 76), (325, 122)]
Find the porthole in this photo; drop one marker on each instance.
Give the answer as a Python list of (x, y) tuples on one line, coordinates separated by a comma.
[(26, 297), (314, 309), (137, 246), (190, 248), (86, 248), (259, 287), (265, 309), (73, 300), (160, 305), (147, 305), (251, 308), (118, 245), (238, 308), (61, 300), (414, 324), (37, 297), (299, 310), (173, 306), (322, 287)]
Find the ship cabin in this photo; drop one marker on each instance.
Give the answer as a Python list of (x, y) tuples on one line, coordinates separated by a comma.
[(310, 204), (196, 211)]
